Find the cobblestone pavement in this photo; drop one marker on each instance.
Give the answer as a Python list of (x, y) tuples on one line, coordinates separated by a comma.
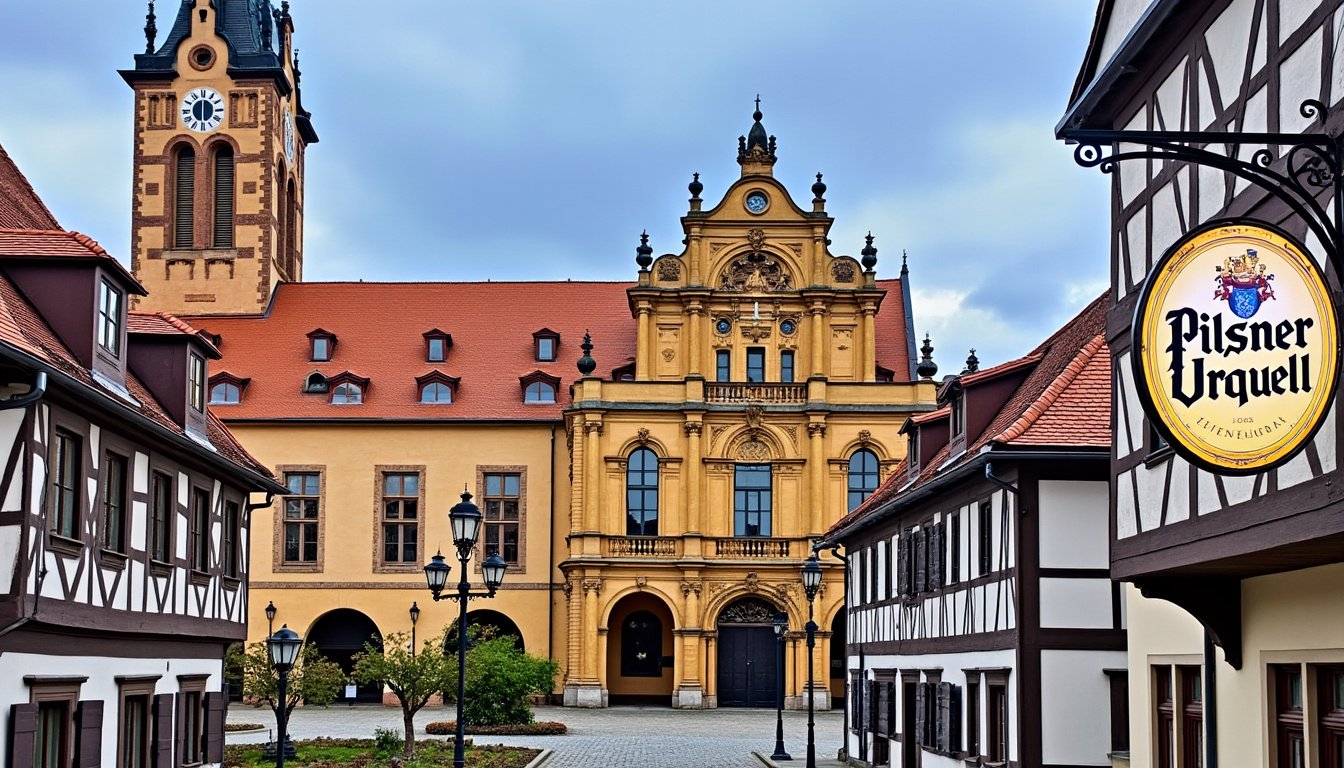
[(648, 737)]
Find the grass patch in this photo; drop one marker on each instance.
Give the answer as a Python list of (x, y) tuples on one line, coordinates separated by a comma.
[(358, 753)]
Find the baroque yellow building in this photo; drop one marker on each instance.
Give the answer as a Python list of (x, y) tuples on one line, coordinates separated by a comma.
[(654, 505)]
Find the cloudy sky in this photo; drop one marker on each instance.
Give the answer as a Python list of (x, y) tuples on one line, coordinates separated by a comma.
[(517, 140)]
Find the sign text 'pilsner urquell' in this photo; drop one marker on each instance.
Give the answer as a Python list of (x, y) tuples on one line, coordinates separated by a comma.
[(1236, 347)]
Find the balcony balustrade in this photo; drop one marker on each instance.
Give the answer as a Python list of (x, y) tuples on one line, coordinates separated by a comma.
[(756, 392), (749, 548), (643, 546)]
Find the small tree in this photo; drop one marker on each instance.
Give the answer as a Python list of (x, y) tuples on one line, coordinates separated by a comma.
[(500, 680), (314, 679), (412, 678)]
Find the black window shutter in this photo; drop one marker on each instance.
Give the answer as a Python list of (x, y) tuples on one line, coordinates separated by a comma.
[(883, 727), (184, 199), (891, 709), (903, 565), (214, 726), (954, 718), (936, 557), (944, 737), (921, 560), (223, 197), (89, 734), (22, 734), (921, 709), (163, 731), (181, 727), (855, 698)]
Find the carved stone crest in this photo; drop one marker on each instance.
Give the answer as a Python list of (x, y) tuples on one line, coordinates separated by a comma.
[(756, 271), (752, 582), (753, 416), (748, 610), (669, 270), (642, 435), (756, 239), (690, 587), (842, 271), (668, 354), (865, 436), (753, 450)]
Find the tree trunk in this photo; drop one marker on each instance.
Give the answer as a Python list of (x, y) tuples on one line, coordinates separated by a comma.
[(408, 720)]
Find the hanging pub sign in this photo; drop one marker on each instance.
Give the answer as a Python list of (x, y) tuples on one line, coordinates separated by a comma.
[(1236, 347)]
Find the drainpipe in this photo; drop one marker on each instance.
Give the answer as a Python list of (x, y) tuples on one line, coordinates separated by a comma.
[(1210, 703), (989, 475)]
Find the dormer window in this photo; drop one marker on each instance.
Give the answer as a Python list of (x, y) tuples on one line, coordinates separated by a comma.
[(196, 383), (546, 342), (958, 414), (110, 311), (347, 388), (437, 344), (539, 388), (321, 345), (437, 388), (226, 389), (316, 383)]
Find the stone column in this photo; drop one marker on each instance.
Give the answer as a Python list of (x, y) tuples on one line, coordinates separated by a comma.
[(711, 672), (695, 317), (642, 345), (816, 465), (693, 472), (690, 691), (587, 691), (869, 344), (817, 365), (592, 475)]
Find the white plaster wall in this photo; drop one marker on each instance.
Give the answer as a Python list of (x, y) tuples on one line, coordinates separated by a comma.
[(1124, 15), (1076, 706), (1073, 524), (101, 671), (1084, 603), (1157, 628)]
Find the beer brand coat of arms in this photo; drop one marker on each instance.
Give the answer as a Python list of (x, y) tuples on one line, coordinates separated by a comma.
[(1243, 284)]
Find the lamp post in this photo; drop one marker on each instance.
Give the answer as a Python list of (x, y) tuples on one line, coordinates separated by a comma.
[(415, 616), (781, 624), (284, 648), (811, 583), (270, 618), (465, 519)]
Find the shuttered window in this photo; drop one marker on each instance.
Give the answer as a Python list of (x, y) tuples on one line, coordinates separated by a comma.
[(223, 197), (184, 199)]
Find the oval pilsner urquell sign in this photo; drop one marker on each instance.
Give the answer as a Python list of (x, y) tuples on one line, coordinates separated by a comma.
[(1236, 347)]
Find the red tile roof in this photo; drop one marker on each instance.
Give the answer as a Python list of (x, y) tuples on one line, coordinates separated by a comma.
[(1064, 402), (20, 207), (59, 244), (165, 324), (380, 327)]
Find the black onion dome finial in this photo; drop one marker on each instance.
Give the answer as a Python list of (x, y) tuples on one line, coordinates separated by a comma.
[(819, 189), (695, 186), (756, 136), (972, 362), (869, 254), (586, 363), (644, 253), (151, 29), (926, 369)]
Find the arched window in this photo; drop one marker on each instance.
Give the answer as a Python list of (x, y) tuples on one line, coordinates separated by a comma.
[(641, 494), (184, 198), (225, 393), (347, 393), (436, 392), (641, 645), (862, 476), (223, 197), (281, 224), (291, 232), (539, 392)]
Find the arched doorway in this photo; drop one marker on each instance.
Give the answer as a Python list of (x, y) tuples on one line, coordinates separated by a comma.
[(748, 673), (640, 651), (499, 624), (838, 641), (342, 633)]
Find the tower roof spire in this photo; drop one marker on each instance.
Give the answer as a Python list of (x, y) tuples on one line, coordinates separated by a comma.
[(756, 150)]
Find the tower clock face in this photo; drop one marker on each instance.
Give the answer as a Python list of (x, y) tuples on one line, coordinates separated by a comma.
[(202, 109), (289, 136)]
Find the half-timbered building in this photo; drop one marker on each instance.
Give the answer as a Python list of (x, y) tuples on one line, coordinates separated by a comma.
[(124, 509), (1239, 663), (984, 626)]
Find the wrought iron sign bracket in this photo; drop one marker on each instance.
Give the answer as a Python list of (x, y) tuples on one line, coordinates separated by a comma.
[(1310, 164)]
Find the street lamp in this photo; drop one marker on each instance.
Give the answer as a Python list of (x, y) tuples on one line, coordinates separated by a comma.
[(270, 618), (415, 616), (284, 648), (781, 624), (811, 583), (465, 519)]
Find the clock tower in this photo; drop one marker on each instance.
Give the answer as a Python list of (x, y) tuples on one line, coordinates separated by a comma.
[(220, 142)]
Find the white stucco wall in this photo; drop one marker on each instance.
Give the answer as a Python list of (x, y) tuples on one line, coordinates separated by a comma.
[(1076, 706)]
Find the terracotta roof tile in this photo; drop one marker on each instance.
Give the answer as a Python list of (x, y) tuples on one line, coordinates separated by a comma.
[(20, 207), (165, 324), (56, 243), (379, 330)]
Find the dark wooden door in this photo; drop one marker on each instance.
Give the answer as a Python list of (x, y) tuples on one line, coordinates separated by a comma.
[(746, 666)]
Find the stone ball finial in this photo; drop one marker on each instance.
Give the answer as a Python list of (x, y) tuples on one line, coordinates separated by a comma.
[(818, 189), (869, 254), (926, 369), (695, 186), (586, 363), (644, 253)]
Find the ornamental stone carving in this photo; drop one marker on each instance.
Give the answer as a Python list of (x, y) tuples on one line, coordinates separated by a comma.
[(842, 271), (669, 354), (753, 450), (756, 239), (642, 435), (693, 428), (592, 585), (816, 429), (752, 582), (669, 270), (690, 587), (865, 436), (750, 610)]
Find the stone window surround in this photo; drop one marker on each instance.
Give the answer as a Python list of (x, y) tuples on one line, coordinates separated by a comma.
[(521, 470), (137, 685), (62, 688), (278, 564), (380, 472)]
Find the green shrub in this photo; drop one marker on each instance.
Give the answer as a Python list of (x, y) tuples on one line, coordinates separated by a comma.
[(548, 728), (500, 680), (386, 742)]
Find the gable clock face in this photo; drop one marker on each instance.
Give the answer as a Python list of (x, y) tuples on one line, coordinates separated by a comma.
[(757, 202), (289, 136), (202, 109)]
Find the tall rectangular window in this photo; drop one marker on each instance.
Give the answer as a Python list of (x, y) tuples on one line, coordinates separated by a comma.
[(109, 318), (786, 366), (436, 349), (1288, 718), (229, 540), (133, 736), (723, 365), (986, 537), (1165, 701), (65, 485), (954, 548), (545, 349), (755, 364), (972, 716), (52, 746), (1192, 717), (1330, 715), (200, 530), (189, 728), (503, 501), (114, 503), (161, 519), (401, 517), (302, 517), (998, 723), (751, 500), (196, 383)]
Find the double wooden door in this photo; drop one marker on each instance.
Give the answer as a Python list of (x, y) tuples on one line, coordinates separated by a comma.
[(747, 666)]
